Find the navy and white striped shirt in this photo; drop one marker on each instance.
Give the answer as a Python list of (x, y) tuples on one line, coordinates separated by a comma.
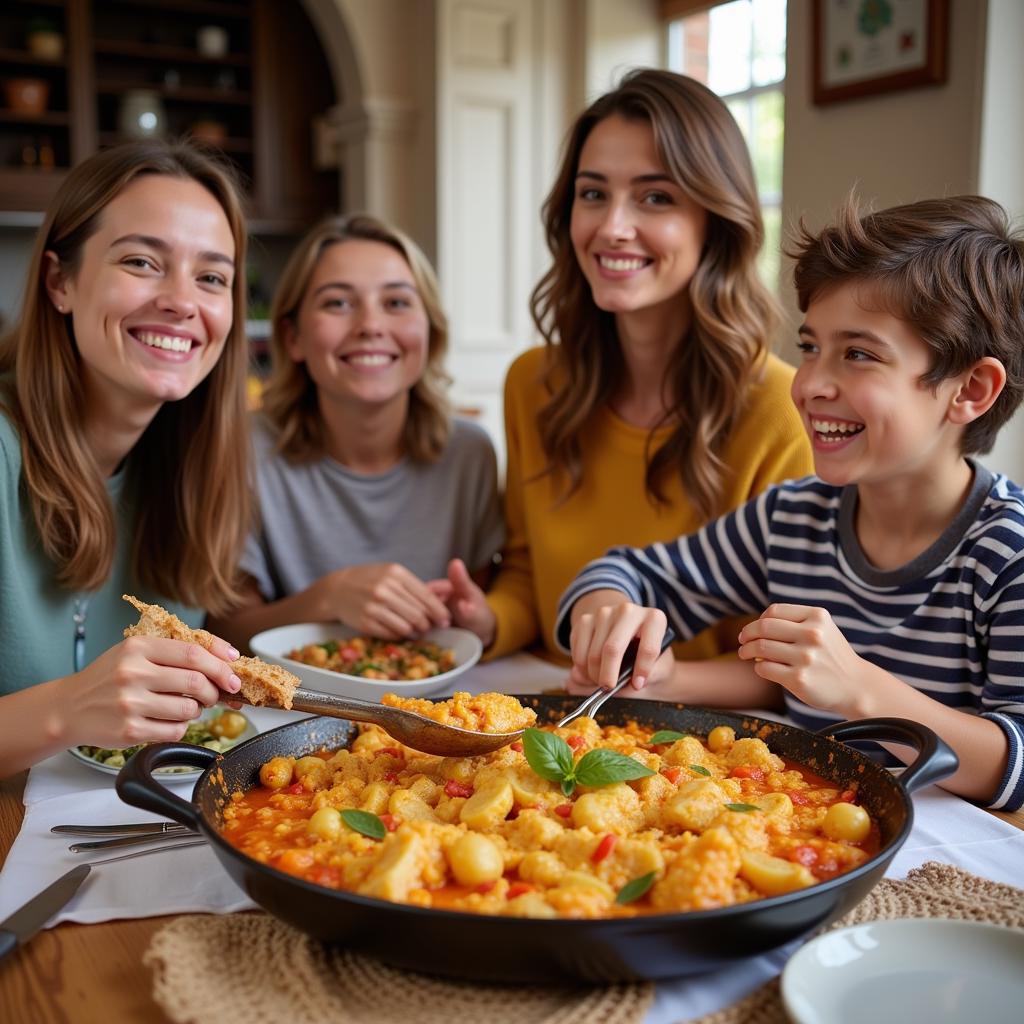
[(950, 623)]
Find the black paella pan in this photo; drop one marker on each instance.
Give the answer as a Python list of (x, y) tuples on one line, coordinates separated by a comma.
[(483, 947)]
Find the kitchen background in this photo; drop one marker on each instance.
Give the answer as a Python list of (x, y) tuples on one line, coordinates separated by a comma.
[(446, 116)]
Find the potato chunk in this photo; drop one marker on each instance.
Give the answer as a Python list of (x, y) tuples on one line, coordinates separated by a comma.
[(773, 875), (487, 806)]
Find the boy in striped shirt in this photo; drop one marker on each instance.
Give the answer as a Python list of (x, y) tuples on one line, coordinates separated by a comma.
[(892, 582)]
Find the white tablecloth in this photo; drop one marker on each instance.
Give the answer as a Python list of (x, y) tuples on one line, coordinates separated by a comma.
[(62, 791)]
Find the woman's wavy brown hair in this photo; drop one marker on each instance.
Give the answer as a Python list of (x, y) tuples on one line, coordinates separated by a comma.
[(290, 397), (188, 473), (733, 314)]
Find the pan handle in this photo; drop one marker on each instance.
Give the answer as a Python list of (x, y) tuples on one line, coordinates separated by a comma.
[(136, 785), (935, 758)]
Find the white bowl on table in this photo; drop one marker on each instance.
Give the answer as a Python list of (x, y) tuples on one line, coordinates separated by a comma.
[(911, 971), (273, 645)]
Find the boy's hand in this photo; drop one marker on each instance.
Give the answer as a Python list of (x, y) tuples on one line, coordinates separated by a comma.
[(604, 623), (803, 649), (579, 683)]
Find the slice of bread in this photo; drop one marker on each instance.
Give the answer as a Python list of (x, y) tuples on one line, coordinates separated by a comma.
[(261, 683)]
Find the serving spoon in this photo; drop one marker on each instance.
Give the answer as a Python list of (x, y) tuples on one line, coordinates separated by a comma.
[(424, 734)]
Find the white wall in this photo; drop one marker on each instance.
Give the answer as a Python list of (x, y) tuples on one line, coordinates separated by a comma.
[(894, 147), (1001, 166)]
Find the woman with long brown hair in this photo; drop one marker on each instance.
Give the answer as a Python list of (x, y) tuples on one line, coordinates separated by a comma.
[(655, 403), (367, 485), (123, 446)]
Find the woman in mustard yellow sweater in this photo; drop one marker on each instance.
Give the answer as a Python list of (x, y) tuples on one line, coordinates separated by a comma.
[(655, 404)]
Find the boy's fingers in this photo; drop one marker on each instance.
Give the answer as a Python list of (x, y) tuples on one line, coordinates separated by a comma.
[(792, 612), (614, 647), (648, 651), (579, 641)]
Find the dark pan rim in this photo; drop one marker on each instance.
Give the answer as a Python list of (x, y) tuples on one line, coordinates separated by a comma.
[(880, 859)]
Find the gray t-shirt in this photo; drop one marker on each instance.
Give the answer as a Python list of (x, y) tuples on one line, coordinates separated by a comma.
[(320, 516)]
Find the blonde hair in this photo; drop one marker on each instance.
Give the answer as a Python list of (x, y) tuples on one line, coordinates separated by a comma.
[(290, 396), (733, 314), (188, 473)]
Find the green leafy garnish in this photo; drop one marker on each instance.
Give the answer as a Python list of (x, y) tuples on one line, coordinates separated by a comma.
[(665, 736), (364, 822), (331, 647), (743, 807), (699, 769), (548, 755), (636, 887), (551, 758)]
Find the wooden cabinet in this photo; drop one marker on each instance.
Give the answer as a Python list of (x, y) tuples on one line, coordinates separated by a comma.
[(246, 76)]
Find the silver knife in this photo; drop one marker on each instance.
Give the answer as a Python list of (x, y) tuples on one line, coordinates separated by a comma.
[(106, 844), (27, 920), (143, 828)]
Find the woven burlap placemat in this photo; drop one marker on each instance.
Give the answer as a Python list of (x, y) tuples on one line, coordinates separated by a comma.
[(258, 969)]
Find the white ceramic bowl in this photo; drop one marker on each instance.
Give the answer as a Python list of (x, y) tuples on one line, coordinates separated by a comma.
[(273, 645), (914, 971), (249, 731)]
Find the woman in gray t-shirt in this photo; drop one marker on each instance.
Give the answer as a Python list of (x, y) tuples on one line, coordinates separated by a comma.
[(367, 487)]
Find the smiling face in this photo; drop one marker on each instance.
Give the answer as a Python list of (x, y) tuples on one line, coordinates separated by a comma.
[(638, 238), (858, 389), (151, 301), (361, 328)]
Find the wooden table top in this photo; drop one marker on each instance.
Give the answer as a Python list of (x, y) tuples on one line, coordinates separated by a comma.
[(93, 972)]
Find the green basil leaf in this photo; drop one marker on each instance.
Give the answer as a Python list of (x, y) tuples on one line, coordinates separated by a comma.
[(601, 767), (636, 887), (699, 769), (364, 822), (743, 807), (665, 736), (547, 754), (568, 785)]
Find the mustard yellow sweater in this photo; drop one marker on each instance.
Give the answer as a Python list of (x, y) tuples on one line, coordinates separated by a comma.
[(548, 543)]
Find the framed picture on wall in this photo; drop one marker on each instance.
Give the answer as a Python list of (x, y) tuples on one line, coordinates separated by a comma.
[(862, 47)]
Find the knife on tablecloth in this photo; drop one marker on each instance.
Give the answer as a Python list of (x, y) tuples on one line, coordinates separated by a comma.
[(27, 920)]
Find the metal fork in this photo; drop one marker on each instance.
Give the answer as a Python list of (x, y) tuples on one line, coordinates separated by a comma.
[(590, 705)]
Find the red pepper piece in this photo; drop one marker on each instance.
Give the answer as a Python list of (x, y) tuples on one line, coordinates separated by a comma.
[(576, 742), (518, 888), (564, 810), (517, 747), (748, 771), (672, 774), (453, 788), (389, 820), (296, 788), (604, 848)]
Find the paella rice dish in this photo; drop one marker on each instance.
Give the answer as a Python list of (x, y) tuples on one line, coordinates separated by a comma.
[(580, 822), (484, 712), (372, 658)]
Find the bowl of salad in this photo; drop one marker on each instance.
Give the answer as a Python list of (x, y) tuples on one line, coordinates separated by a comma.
[(333, 658), (216, 728)]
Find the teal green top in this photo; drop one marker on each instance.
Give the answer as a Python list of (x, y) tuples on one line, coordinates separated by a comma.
[(37, 617)]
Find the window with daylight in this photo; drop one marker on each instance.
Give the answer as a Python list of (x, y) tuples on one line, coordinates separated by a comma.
[(738, 49)]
